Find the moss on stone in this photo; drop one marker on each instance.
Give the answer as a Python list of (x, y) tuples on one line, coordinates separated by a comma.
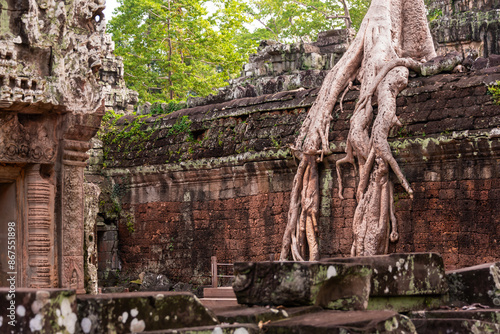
[(407, 303)]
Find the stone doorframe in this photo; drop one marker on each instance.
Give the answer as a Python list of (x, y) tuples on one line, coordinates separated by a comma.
[(50, 197)]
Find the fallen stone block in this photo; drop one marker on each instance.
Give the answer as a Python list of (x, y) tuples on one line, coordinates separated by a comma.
[(141, 311), (404, 282), (34, 310), (256, 314), (332, 322), (478, 284), (329, 285)]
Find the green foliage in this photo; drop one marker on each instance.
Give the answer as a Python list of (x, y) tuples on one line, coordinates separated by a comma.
[(494, 91), (183, 124), (174, 49), (170, 246), (302, 20), (276, 143), (130, 224), (434, 14)]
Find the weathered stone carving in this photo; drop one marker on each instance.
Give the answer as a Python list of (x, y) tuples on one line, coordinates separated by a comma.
[(33, 141), (117, 96), (329, 285), (41, 254), (91, 192)]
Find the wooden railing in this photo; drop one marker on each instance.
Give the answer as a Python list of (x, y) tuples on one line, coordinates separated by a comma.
[(215, 275)]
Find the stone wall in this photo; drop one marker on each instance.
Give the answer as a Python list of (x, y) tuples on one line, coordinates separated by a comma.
[(466, 25), (215, 180)]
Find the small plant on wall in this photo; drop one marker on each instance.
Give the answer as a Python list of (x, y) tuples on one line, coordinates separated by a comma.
[(494, 91)]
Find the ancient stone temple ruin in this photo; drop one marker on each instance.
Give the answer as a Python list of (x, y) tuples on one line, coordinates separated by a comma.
[(213, 180), (50, 107)]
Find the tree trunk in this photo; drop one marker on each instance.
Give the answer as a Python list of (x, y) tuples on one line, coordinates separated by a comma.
[(393, 37)]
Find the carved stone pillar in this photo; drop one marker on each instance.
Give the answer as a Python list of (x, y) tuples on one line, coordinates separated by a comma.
[(72, 210), (41, 271)]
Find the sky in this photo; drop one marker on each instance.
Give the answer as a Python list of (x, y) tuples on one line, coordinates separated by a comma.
[(110, 6)]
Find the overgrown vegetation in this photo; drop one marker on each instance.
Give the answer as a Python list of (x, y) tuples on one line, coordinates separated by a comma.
[(134, 133), (183, 124), (432, 14)]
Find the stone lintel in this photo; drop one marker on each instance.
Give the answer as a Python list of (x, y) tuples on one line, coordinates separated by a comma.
[(255, 314)]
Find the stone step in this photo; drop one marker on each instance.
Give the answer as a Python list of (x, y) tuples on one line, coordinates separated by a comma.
[(333, 322), (214, 303), (222, 292), (329, 285)]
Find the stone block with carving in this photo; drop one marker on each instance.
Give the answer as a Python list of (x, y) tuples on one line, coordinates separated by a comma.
[(478, 284), (329, 285), (404, 282)]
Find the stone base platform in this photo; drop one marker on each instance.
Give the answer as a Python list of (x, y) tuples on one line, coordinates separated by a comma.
[(281, 297)]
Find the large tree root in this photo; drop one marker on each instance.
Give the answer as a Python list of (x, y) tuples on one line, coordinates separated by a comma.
[(301, 231), (393, 37)]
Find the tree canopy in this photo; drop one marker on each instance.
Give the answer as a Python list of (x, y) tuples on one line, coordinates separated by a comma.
[(176, 48), (302, 20), (173, 49)]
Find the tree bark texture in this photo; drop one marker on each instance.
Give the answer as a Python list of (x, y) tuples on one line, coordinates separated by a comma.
[(393, 38)]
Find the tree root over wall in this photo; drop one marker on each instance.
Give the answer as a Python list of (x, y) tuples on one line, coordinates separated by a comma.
[(393, 38)]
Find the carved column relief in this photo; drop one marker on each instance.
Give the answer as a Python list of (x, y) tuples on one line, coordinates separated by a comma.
[(41, 264), (74, 158)]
